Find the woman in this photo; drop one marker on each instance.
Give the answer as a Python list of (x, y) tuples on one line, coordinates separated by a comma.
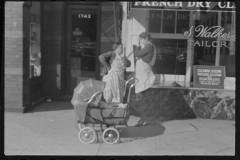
[(146, 56), (115, 64)]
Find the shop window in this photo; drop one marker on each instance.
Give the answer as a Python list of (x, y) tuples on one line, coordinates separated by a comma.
[(161, 21), (168, 22), (207, 50), (182, 21), (171, 56), (35, 40), (155, 17)]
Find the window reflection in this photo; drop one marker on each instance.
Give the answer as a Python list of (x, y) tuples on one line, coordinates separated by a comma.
[(172, 56), (35, 64), (35, 40), (227, 58)]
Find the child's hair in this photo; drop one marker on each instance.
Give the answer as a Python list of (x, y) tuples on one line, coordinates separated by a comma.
[(115, 45)]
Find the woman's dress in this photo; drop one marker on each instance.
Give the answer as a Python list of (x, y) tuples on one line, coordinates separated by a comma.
[(114, 88)]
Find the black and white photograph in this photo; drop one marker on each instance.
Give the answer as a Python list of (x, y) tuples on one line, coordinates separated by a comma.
[(119, 78)]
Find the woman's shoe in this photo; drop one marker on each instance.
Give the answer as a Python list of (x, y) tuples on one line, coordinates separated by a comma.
[(140, 122)]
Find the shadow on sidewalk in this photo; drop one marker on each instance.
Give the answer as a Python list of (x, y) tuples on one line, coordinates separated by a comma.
[(141, 132), (51, 106)]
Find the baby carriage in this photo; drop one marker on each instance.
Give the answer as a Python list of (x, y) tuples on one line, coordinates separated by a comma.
[(90, 110)]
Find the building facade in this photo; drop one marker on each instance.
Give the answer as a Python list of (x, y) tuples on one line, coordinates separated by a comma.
[(51, 46)]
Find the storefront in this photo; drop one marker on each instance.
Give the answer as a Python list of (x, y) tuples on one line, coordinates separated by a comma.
[(189, 35), (51, 46)]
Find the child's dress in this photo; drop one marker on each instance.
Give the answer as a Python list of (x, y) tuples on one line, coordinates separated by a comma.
[(113, 91)]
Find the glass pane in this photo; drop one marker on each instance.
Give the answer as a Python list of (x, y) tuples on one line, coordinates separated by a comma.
[(182, 21), (227, 57), (171, 56), (155, 17), (83, 46), (228, 22), (35, 40), (168, 22), (204, 55)]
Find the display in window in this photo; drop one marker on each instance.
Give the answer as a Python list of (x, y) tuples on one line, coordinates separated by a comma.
[(172, 55)]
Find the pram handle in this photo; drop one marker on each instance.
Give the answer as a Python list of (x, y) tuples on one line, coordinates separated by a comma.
[(89, 100), (129, 92), (125, 88)]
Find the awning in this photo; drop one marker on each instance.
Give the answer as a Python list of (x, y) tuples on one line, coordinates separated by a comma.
[(187, 6)]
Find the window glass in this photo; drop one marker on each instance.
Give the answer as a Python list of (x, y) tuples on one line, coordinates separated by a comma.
[(155, 17), (169, 22), (227, 57), (35, 40), (182, 21), (171, 57)]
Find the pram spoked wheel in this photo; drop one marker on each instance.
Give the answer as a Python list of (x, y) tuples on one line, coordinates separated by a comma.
[(110, 136), (87, 135)]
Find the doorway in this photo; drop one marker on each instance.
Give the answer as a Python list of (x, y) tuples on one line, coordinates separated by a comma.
[(82, 45)]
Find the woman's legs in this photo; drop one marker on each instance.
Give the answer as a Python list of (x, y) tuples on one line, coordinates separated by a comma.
[(143, 119)]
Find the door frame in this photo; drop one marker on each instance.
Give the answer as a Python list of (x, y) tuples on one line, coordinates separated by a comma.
[(68, 6)]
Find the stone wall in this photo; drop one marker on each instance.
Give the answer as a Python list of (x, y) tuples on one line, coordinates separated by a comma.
[(183, 103)]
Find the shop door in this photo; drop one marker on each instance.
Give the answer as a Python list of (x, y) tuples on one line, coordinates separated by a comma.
[(82, 44)]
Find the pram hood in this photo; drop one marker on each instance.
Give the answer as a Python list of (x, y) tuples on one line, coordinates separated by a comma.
[(84, 90)]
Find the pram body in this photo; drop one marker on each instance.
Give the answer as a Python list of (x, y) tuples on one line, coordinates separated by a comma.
[(89, 110)]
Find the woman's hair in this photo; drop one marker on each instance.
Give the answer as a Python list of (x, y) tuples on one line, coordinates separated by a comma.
[(115, 45), (144, 35)]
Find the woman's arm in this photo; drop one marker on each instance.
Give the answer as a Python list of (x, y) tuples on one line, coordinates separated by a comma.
[(104, 57), (144, 51)]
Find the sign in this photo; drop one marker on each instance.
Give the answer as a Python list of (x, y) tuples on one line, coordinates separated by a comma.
[(209, 76), (84, 15), (215, 32), (204, 6)]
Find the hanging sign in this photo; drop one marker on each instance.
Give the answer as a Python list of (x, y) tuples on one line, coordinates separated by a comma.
[(209, 76)]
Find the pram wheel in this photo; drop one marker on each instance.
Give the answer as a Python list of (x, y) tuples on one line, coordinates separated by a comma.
[(110, 136), (87, 135), (79, 126)]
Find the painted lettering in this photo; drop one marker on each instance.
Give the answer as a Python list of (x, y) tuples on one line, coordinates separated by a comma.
[(178, 4), (191, 4), (169, 4)]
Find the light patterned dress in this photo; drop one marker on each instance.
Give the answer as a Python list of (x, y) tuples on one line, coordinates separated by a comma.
[(113, 91)]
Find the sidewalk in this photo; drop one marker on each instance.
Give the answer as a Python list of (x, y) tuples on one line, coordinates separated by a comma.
[(49, 129)]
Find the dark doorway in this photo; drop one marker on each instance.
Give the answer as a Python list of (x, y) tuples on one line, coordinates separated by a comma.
[(82, 45)]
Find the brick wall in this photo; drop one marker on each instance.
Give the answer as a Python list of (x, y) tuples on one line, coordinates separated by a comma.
[(16, 57)]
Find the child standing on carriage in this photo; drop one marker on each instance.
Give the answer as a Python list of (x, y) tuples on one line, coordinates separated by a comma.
[(115, 63)]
